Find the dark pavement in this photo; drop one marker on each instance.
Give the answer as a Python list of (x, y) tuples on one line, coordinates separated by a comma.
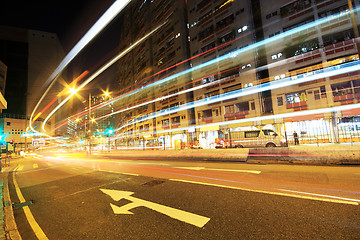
[(68, 202)]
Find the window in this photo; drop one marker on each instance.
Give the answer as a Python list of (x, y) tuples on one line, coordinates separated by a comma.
[(323, 91), (206, 32), (207, 47), (252, 134), (226, 38), (224, 22), (317, 94), (280, 101), (252, 105), (269, 132), (165, 122), (240, 107), (229, 109), (341, 89), (296, 97), (213, 93), (8, 123), (175, 120)]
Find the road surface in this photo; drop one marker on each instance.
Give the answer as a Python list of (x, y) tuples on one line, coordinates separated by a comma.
[(77, 197)]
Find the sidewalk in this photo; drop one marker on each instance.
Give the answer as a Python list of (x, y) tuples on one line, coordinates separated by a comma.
[(327, 154)]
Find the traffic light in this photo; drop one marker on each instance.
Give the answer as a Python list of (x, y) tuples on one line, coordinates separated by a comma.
[(109, 131), (11, 141)]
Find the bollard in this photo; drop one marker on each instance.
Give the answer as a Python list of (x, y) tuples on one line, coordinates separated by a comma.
[(9, 160), (0, 164)]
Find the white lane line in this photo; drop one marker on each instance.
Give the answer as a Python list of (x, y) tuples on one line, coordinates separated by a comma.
[(110, 171), (272, 193), (30, 218), (321, 195), (218, 169)]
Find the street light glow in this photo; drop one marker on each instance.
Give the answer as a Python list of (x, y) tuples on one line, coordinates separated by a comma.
[(72, 91)]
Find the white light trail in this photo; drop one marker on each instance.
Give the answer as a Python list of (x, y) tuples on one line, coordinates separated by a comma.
[(306, 77), (261, 118), (102, 69), (232, 54), (100, 24)]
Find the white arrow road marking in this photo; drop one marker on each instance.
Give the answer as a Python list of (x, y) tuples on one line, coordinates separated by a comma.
[(217, 169), (180, 215)]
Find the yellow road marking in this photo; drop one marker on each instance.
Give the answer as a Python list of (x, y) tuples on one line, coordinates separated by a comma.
[(132, 174), (272, 193), (19, 167), (49, 164), (34, 225), (35, 165)]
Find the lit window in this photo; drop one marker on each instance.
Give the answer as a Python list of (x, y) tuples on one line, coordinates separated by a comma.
[(279, 55), (244, 28), (274, 57), (282, 76)]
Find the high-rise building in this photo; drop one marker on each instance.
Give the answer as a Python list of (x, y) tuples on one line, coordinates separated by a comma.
[(30, 57), (242, 60)]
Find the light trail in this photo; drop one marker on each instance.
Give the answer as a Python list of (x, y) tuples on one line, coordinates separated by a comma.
[(102, 69), (231, 55), (100, 24), (261, 118), (306, 77)]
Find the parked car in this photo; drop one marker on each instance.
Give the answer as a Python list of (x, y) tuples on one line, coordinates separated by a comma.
[(253, 138)]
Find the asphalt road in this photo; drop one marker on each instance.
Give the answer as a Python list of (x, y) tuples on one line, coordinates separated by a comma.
[(69, 198)]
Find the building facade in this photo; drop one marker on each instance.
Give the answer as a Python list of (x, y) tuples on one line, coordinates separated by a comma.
[(219, 67), (30, 57)]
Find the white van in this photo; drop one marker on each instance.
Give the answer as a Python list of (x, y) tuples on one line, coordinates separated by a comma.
[(254, 138)]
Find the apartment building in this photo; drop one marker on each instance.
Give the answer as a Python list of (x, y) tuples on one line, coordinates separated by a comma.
[(236, 48), (155, 59), (329, 42)]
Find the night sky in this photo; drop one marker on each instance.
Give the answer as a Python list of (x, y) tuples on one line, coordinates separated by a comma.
[(70, 20)]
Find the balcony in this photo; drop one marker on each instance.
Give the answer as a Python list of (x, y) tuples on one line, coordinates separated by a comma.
[(207, 119), (297, 106), (241, 114), (346, 98), (229, 115), (175, 124)]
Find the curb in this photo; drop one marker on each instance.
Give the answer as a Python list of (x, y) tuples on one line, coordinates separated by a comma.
[(331, 155), (7, 220)]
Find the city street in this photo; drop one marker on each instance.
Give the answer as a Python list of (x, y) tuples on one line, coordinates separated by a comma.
[(80, 197)]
